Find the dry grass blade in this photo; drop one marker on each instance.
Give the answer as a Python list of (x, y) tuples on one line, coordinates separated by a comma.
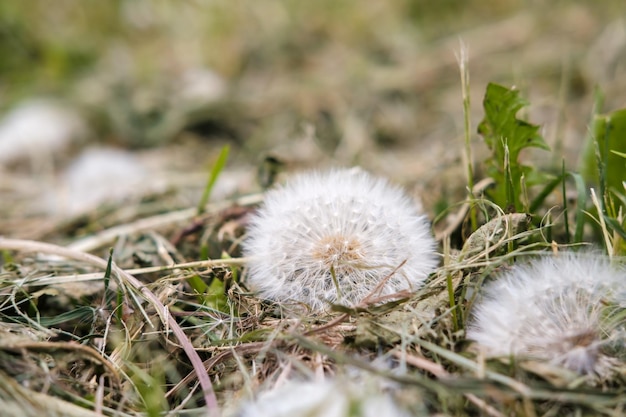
[(124, 277), (17, 401), (107, 236), (87, 351)]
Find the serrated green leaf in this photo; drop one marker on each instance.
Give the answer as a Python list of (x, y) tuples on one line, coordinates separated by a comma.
[(506, 136), (501, 123)]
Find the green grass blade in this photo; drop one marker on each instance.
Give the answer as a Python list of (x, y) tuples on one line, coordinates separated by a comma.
[(452, 302), (80, 313), (508, 182), (565, 210), (615, 226), (107, 272), (545, 192), (218, 166)]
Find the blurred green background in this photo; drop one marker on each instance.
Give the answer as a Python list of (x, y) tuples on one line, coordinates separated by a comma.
[(313, 83)]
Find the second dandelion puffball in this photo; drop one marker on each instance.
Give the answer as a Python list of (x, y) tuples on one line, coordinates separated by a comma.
[(566, 309), (332, 237)]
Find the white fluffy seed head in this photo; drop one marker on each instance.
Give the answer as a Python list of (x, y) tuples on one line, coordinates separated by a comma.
[(563, 309), (332, 237), (330, 398)]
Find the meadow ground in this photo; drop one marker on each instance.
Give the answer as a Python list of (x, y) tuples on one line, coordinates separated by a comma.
[(247, 94)]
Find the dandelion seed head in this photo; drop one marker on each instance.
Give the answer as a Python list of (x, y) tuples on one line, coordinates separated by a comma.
[(333, 236), (556, 308), (329, 398)]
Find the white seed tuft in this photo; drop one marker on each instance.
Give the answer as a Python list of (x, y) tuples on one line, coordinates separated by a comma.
[(332, 237), (329, 398), (562, 309)]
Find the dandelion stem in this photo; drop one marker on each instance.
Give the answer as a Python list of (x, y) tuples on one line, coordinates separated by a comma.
[(334, 275)]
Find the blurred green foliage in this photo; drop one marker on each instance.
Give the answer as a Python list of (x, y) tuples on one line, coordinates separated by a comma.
[(604, 166), (43, 44)]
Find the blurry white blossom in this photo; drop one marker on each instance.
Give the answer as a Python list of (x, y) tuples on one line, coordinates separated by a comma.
[(330, 398), (38, 128), (99, 176), (334, 236), (199, 86), (562, 309)]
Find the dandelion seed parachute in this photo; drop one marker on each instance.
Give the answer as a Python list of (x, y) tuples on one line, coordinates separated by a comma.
[(562, 309), (332, 237)]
